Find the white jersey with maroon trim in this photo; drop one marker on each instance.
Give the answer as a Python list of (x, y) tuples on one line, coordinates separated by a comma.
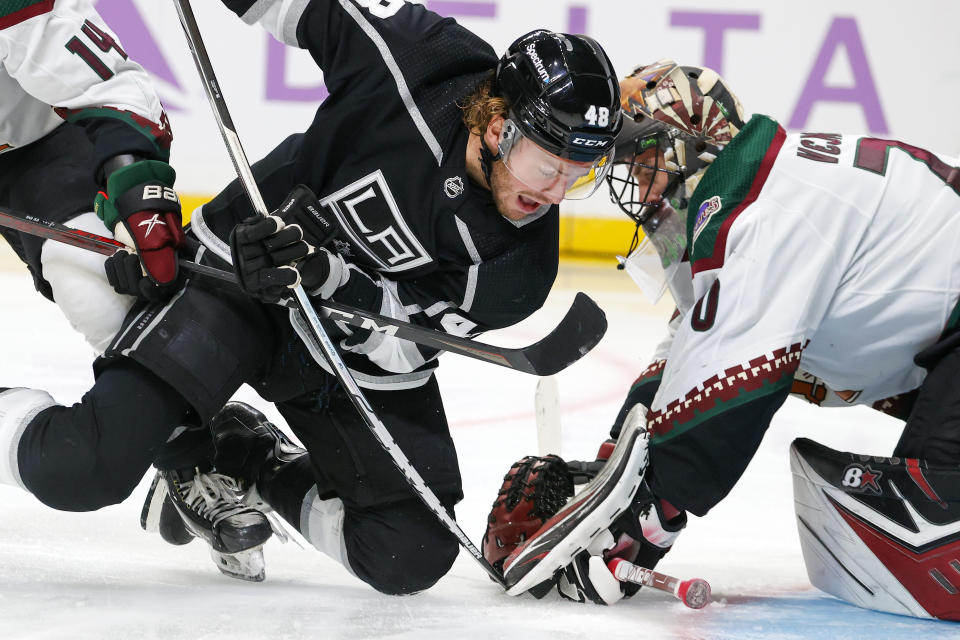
[(834, 253), (60, 62)]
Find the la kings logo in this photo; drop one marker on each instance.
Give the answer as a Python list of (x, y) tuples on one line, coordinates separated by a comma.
[(369, 215)]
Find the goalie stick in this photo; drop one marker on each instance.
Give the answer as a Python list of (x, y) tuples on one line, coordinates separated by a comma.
[(695, 593), (577, 333)]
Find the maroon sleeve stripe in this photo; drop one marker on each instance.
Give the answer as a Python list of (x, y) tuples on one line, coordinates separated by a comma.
[(16, 11)]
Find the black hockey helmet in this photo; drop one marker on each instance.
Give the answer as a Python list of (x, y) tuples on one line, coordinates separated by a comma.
[(563, 95)]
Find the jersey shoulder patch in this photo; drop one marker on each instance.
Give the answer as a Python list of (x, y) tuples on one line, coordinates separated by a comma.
[(16, 11), (729, 186)]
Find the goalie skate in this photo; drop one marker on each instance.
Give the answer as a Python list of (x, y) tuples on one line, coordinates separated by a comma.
[(585, 516), (880, 533)]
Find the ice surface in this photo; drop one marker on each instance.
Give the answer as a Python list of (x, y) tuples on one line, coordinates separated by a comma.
[(97, 575)]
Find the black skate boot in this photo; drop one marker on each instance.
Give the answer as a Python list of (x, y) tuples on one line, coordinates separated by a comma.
[(212, 508), (250, 448), (243, 526), (160, 516)]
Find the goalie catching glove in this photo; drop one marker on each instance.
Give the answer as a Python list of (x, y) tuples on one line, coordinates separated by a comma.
[(142, 210), (274, 254), (573, 539)]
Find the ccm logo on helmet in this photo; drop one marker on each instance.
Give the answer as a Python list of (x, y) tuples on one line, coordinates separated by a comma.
[(153, 191), (589, 142)]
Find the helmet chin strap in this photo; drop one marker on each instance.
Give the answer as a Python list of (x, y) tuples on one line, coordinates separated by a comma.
[(487, 158)]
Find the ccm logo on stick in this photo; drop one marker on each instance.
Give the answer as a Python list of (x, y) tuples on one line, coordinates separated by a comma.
[(364, 323)]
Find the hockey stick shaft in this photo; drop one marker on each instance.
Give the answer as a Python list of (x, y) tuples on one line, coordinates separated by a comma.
[(315, 338), (695, 593), (557, 350)]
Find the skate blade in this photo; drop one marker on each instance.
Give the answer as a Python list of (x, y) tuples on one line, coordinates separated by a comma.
[(150, 514), (245, 565)]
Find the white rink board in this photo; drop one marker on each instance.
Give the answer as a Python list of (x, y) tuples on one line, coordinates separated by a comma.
[(891, 70)]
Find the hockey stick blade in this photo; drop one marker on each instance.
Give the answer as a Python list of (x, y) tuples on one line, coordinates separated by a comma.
[(578, 332)]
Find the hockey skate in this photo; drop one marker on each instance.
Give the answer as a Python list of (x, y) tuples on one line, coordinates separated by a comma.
[(880, 533), (182, 505), (250, 448), (587, 515)]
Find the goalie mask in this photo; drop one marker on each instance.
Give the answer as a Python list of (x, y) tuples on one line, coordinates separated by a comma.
[(677, 119), (564, 112)]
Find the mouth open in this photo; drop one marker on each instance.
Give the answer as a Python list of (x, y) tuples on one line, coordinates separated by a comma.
[(527, 205)]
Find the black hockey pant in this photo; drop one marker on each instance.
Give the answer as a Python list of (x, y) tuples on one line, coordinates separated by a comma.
[(94, 454), (932, 432), (397, 547)]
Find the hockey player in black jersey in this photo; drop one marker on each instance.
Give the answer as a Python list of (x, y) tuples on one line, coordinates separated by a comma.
[(439, 167)]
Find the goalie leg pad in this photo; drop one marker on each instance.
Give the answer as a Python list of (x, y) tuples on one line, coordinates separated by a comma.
[(880, 533)]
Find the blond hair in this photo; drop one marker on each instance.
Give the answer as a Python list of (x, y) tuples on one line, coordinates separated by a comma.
[(479, 107)]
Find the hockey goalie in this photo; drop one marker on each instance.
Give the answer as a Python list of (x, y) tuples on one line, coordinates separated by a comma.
[(821, 265)]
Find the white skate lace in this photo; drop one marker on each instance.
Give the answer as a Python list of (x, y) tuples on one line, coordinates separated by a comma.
[(280, 528), (213, 496)]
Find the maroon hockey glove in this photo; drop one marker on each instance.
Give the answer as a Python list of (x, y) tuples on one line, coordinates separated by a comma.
[(532, 492), (143, 211)]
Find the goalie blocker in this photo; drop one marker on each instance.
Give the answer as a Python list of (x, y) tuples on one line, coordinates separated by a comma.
[(880, 533)]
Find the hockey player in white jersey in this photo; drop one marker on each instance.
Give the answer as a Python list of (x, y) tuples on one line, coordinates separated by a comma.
[(78, 117), (818, 263), (84, 141)]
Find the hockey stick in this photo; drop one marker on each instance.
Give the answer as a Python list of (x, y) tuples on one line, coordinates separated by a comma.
[(695, 593), (316, 339), (546, 404), (578, 332)]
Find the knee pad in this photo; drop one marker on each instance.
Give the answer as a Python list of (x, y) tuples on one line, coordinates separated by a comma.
[(400, 548), (80, 286)]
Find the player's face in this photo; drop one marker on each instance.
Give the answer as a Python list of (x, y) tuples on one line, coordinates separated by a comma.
[(547, 177), (652, 183), (515, 200)]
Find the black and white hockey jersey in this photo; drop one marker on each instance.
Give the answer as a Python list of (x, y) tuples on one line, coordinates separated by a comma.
[(386, 156)]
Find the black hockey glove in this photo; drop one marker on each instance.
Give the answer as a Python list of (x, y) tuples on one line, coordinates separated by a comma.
[(142, 210), (301, 207), (264, 251)]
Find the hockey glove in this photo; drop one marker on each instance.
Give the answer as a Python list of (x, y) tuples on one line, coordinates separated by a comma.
[(642, 535), (533, 490), (142, 210), (302, 208), (264, 251)]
